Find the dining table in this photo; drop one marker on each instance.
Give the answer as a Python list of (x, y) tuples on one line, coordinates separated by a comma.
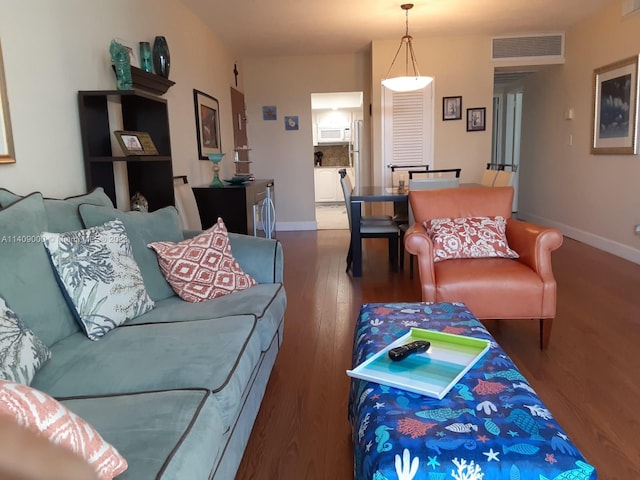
[(367, 194)]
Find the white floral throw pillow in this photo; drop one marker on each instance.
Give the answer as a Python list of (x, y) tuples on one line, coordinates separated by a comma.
[(21, 352), (100, 276)]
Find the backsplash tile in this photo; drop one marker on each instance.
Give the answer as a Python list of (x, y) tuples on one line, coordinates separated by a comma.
[(334, 155)]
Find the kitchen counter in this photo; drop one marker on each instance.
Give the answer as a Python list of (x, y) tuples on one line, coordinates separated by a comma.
[(327, 183)]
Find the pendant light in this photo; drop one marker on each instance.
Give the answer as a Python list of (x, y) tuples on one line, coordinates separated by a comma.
[(407, 83)]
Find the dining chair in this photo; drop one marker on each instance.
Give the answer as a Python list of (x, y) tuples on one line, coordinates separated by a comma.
[(422, 184), (489, 177), (437, 173), (347, 188), (504, 179), (371, 227), (188, 213)]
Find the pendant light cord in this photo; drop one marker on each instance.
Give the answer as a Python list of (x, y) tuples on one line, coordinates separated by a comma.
[(406, 41)]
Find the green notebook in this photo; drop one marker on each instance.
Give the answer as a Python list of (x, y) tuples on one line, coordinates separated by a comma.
[(432, 373)]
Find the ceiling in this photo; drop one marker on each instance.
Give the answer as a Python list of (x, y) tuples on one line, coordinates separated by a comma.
[(258, 28)]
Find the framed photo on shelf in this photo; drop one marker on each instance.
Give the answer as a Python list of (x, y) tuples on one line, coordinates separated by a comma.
[(135, 143), (207, 124), (476, 119), (615, 108), (451, 108)]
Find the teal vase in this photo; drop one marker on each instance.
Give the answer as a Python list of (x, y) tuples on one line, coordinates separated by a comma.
[(145, 56), (161, 57)]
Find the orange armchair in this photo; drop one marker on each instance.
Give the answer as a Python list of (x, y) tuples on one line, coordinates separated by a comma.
[(492, 288)]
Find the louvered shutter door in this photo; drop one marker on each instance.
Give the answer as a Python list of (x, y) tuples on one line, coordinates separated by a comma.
[(407, 128)]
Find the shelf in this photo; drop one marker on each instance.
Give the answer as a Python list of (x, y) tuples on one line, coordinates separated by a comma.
[(149, 81), (242, 161), (239, 149), (130, 158)]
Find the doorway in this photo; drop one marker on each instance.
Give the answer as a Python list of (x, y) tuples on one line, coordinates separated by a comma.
[(337, 124)]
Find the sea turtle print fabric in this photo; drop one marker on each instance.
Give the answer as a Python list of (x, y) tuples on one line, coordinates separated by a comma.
[(491, 425)]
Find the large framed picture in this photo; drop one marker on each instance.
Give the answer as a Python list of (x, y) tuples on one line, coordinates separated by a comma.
[(615, 108), (476, 119), (207, 124), (451, 108), (135, 143)]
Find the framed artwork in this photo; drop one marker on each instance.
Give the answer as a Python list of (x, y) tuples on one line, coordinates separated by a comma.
[(207, 124), (135, 143), (615, 108), (269, 112), (476, 119), (7, 154), (291, 123), (451, 108)]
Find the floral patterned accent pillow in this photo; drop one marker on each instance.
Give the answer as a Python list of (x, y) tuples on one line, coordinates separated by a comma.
[(203, 267), (44, 415), (22, 353), (468, 237), (100, 277)]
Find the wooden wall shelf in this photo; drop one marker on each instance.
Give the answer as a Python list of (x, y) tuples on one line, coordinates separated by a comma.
[(149, 82)]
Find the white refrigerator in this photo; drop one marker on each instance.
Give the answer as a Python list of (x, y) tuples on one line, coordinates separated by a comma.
[(354, 149)]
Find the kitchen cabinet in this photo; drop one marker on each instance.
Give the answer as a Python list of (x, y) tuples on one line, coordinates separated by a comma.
[(327, 184), (151, 175), (235, 205)]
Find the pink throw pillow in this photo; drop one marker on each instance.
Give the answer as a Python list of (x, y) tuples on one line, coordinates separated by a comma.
[(468, 237), (203, 267), (42, 414)]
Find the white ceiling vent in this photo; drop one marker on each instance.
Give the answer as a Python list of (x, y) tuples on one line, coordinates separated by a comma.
[(528, 49)]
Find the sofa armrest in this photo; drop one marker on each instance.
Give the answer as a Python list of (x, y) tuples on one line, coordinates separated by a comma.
[(262, 258), (417, 242), (534, 243)]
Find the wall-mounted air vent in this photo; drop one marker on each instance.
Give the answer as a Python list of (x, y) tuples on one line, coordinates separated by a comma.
[(528, 49)]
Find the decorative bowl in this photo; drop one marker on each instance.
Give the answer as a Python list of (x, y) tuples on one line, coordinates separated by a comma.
[(237, 180)]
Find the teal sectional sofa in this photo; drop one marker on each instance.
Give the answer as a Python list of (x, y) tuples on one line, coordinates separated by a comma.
[(175, 390)]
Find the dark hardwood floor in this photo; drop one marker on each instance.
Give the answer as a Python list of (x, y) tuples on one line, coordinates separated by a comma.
[(589, 378)]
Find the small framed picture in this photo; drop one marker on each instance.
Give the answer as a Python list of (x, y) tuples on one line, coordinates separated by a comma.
[(615, 108), (451, 108), (135, 143), (269, 112), (291, 122), (476, 119), (207, 124)]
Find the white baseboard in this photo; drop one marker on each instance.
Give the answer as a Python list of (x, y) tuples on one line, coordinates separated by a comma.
[(606, 244), (295, 226)]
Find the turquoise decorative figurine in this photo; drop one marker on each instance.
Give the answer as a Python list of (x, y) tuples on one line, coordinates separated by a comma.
[(122, 65), (216, 158)]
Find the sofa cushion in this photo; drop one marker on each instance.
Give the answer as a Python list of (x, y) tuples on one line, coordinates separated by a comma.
[(99, 275), (267, 302), (163, 435), (217, 354), (31, 289), (142, 229), (468, 237), (202, 267), (21, 352), (42, 414), (62, 214)]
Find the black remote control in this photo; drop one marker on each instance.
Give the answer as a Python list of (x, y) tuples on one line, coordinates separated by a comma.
[(403, 351)]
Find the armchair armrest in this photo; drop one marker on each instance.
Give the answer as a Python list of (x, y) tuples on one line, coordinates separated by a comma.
[(418, 243), (262, 258), (534, 243)]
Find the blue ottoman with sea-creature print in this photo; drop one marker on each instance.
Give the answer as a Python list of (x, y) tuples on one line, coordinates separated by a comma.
[(490, 426)]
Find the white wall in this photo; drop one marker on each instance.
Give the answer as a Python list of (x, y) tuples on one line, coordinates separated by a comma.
[(592, 198), (52, 49), (287, 156), (460, 67)]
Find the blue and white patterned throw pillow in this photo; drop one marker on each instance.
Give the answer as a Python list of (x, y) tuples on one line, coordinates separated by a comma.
[(21, 352), (100, 276)]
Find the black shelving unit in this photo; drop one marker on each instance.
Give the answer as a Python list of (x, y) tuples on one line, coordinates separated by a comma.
[(152, 176)]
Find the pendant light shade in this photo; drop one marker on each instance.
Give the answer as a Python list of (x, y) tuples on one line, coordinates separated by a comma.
[(408, 82)]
